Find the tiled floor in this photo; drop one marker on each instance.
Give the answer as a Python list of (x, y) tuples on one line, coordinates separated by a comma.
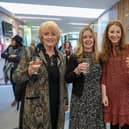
[(9, 118), (9, 115)]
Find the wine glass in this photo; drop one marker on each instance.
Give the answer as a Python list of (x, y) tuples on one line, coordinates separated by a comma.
[(36, 63), (86, 61)]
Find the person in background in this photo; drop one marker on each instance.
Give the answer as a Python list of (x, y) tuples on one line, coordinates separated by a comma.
[(86, 103), (67, 50), (32, 46), (46, 95), (115, 77), (7, 73), (12, 55)]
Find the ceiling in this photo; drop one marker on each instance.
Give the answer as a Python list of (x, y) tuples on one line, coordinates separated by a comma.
[(63, 24)]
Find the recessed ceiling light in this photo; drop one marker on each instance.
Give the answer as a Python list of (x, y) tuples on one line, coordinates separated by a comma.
[(79, 24), (36, 17), (35, 26)]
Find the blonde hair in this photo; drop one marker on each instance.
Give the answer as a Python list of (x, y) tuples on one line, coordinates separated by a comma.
[(106, 44), (49, 25), (79, 49)]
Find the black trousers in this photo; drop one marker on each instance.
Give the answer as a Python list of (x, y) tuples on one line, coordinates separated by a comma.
[(13, 84), (117, 127)]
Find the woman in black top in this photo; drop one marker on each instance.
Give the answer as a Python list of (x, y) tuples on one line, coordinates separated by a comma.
[(12, 56)]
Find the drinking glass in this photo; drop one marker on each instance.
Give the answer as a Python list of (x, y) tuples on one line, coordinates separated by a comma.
[(86, 61), (36, 63)]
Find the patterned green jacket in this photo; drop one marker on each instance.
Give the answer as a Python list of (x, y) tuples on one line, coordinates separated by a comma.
[(35, 113)]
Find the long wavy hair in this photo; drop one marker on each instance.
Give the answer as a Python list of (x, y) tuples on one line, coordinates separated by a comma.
[(79, 50), (107, 45)]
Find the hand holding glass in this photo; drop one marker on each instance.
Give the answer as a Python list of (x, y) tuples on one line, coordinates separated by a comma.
[(86, 61), (35, 65)]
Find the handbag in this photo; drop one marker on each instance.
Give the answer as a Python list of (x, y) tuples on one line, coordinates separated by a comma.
[(7, 70)]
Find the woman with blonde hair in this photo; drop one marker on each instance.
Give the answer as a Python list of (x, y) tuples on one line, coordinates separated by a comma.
[(46, 95), (115, 77), (84, 71)]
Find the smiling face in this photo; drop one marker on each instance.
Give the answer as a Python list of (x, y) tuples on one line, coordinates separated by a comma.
[(49, 34), (49, 38), (88, 41), (114, 34), (67, 47)]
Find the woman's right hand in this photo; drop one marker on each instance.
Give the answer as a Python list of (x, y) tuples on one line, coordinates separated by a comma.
[(33, 67), (81, 68)]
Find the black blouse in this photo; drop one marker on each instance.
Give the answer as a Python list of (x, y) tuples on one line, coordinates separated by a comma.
[(53, 77)]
